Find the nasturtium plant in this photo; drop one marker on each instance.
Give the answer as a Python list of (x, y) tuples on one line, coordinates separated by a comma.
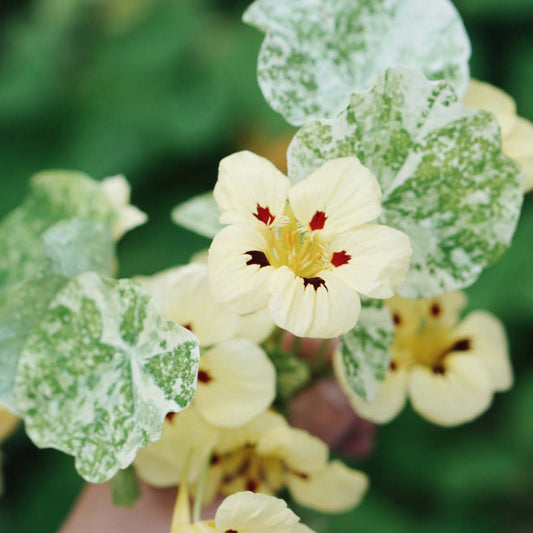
[(100, 371), (365, 353), (199, 214), (444, 180), (318, 52)]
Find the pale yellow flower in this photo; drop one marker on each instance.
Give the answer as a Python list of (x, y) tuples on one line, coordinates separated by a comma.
[(268, 455), (118, 191), (8, 423), (448, 368), (517, 132), (236, 380), (306, 251)]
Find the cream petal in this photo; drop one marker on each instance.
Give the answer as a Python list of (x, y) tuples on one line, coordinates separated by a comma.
[(241, 386), (299, 450), (344, 191), (301, 528), (519, 145), (161, 463), (391, 395), (234, 282), (334, 488), (460, 394), (8, 423), (247, 512), (117, 189), (233, 439), (326, 309), (129, 217), (182, 295), (488, 344), (256, 326), (481, 95), (377, 259), (247, 186)]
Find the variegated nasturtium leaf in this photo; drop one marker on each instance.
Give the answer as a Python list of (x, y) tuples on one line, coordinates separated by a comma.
[(444, 180), (99, 373), (318, 52), (69, 248), (199, 214), (366, 349), (53, 197)]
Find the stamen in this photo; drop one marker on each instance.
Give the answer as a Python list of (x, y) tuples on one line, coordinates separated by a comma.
[(340, 258), (264, 215), (318, 221)]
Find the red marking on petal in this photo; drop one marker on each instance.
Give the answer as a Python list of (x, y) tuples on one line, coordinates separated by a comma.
[(188, 326), (340, 258), (257, 258), (204, 377), (315, 282), (439, 370), (170, 416), (252, 485), (318, 220), (397, 319), (264, 215), (435, 310), (462, 346), (393, 366)]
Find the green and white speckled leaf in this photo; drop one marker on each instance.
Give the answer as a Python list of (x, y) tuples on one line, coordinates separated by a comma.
[(100, 372), (318, 52), (366, 349), (444, 179), (199, 214), (70, 248), (53, 197)]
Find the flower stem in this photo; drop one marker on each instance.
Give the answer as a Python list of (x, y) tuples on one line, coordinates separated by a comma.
[(199, 495), (182, 509)]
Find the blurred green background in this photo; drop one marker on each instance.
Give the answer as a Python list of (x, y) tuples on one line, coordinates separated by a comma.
[(161, 90)]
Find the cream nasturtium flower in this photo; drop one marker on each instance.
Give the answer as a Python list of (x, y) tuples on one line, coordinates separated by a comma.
[(246, 512), (306, 250), (517, 132), (236, 380), (268, 455), (448, 368), (118, 191)]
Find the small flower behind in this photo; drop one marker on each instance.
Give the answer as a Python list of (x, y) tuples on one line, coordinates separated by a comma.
[(448, 368), (306, 251)]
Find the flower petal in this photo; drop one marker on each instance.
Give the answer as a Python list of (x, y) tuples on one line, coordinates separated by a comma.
[(250, 189), (322, 307), (457, 395), (182, 295), (241, 383), (390, 398), (299, 450), (377, 259), (519, 145), (333, 489), (161, 463), (246, 512), (342, 194), (129, 217), (235, 278), (256, 326), (488, 344), (118, 190), (8, 423), (481, 95)]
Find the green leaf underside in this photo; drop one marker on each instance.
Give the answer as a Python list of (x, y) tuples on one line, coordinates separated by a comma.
[(199, 214), (69, 248), (366, 351), (292, 374), (444, 180), (318, 52), (54, 196), (99, 373), (125, 487)]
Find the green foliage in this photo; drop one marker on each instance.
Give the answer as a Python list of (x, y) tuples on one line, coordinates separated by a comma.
[(317, 52), (444, 180), (292, 374), (125, 487), (199, 214)]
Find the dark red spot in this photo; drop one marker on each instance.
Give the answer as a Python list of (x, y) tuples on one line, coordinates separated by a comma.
[(397, 319), (188, 326), (340, 258), (264, 215), (215, 459), (318, 220), (315, 282), (301, 475), (170, 416), (252, 485), (393, 366), (231, 531), (462, 346), (435, 310), (204, 377), (439, 369), (257, 258)]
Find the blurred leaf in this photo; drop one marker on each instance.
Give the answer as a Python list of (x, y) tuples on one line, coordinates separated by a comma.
[(125, 487), (199, 214), (292, 374)]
